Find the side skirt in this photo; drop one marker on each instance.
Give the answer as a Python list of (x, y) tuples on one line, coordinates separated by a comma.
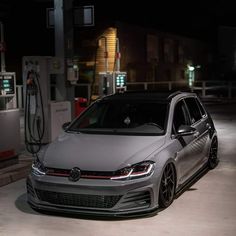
[(191, 181)]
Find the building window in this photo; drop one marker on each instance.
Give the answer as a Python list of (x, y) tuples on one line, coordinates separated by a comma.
[(132, 75), (182, 74), (168, 75), (234, 66), (152, 48), (169, 50), (180, 54)]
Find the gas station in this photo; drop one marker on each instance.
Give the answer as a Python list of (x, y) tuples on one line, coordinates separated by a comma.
[(49, 102), (48, 90), (9, 114)]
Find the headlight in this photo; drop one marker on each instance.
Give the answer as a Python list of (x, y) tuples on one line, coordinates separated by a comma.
[(138, 170), (38, 169)]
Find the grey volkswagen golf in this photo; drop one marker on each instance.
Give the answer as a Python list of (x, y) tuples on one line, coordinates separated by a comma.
[(126, 154)]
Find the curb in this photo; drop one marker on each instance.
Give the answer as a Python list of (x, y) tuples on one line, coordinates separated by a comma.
[(14, 172)]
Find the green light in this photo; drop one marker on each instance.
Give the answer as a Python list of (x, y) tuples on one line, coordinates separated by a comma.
[(120, 80), (191, 68)]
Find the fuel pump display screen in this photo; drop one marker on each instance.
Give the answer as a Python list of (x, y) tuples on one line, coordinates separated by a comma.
[(7, 84), (120, 80)]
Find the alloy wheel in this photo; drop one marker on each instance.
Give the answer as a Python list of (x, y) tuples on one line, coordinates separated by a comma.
[(213, 157), (167, 186)]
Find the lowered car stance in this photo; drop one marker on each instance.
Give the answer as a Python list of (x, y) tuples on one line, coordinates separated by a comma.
[(126, 154)]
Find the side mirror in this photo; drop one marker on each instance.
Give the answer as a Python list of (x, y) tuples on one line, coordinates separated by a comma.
[(185, 130), (66, 125)]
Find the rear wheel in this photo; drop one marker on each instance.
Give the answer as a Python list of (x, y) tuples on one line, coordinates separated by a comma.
[(213, 157), (167, 186)]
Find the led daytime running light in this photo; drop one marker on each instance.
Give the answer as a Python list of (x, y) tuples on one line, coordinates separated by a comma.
[(132, 174)]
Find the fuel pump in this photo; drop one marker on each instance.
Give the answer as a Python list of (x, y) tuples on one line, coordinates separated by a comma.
[(110, 83), (105, 83), (44, 115), (115, 81), (34, 113), (9, 113), (72, 71), (120, 79)]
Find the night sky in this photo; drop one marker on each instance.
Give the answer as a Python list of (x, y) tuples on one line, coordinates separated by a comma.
[(199, 19)]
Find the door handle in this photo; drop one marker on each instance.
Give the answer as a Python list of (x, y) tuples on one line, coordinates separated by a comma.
[(196, 134)]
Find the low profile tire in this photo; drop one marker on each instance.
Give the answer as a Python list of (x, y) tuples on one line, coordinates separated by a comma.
[(167, 186), (213, 154)]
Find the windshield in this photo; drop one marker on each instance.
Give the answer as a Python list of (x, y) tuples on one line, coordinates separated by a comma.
[(123, 117)]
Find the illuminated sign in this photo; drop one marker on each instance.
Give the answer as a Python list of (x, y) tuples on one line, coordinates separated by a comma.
[(120, 79), (7, 83)]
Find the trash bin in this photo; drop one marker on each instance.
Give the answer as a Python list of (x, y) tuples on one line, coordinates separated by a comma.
[(80, 105)]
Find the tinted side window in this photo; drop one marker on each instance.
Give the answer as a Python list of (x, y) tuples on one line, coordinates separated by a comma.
[(194, 110), (203, 112), (180, 116)]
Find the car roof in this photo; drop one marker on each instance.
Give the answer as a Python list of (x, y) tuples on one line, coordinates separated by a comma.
[(147, 95)]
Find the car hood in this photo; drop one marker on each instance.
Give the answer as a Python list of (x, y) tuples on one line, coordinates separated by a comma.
[(99, 152)]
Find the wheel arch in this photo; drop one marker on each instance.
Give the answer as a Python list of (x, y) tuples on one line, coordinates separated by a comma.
[(161, 199)]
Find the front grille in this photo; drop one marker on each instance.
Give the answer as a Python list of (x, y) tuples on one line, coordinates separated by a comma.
[(79, 200), (84, 173), (97, 174), (58, 172), (30, 188)]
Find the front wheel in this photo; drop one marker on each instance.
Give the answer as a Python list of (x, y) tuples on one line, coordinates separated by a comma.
[(213, 157), (167, 186)]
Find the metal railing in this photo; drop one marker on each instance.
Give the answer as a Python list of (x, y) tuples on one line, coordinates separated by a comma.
[(165, 85), (207, 88), (216, 87)]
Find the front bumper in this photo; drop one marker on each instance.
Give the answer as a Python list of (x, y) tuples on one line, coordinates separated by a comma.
[(93, 197)]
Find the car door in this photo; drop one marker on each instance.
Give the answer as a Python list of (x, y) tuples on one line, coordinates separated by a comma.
[(184, 153), (198, 146)]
